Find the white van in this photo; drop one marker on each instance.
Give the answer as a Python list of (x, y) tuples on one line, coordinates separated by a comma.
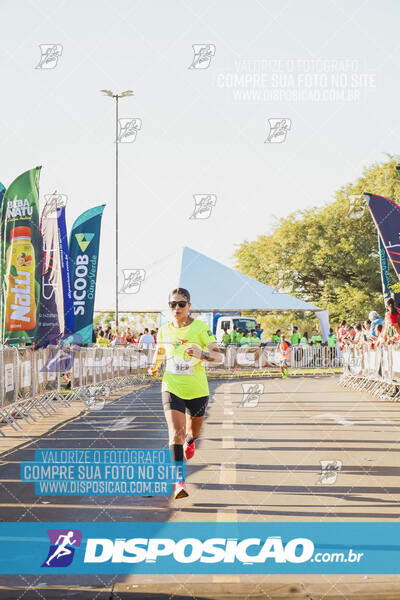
[(228, 323)]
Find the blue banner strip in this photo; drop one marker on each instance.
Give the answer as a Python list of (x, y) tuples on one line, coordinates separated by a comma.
[(200, 548)]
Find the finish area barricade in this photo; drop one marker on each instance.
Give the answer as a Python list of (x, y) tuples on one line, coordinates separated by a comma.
[(373, 369), (36, 383), (265, 360)]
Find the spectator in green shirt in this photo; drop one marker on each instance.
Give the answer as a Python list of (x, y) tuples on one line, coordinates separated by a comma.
[(316, 339), (226, 338), (276, 337), (233, 335), (245, 339), (255, 340), (331, 339), (295, 337), (304, 339)]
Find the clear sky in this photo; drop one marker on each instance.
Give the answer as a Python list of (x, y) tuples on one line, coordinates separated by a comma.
[(331, 67)]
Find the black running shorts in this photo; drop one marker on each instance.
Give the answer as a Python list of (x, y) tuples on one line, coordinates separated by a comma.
[(196, 407)]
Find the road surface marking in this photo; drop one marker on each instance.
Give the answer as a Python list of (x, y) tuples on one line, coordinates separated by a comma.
[(227, 475), (119, 424), (228, 442), (228, 411), (337, 418)]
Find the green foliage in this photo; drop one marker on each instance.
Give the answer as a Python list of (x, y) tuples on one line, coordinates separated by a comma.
[(108, 318), (327, 255), (97, 320)]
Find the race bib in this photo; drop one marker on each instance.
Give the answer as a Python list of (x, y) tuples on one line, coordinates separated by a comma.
[(180, 366)]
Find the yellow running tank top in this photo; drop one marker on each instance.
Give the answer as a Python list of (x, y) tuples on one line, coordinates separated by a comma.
[(185, 376)]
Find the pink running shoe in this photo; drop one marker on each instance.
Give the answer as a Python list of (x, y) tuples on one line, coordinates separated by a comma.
[(188, 449), (180, 490)]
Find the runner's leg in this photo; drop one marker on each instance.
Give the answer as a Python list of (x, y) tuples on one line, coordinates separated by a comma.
[(195, 410), (193, 427), (174, 411), (176, 431), (284, 369)]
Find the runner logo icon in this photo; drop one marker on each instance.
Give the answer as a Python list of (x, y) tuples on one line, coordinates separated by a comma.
[(62, 547), (204, 204), (50, 53), (128, 129), (133, 279), (251, 394), (278, 129), (203, 54), (329, 471)]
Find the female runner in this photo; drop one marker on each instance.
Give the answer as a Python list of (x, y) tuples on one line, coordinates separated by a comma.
[(186, 344)]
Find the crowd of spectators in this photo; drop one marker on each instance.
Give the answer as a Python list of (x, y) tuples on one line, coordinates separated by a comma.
[(106, 337), (375, 330), (297, 339), (239, 337)]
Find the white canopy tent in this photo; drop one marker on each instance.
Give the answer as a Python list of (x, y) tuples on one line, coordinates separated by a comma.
[(213, 287)]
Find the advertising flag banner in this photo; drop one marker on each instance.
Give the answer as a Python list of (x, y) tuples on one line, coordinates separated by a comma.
[(69, 319), (2, 191), (20, 259), (384, 261), (50, 319), (84, 252), (386, 216), (56, 311)]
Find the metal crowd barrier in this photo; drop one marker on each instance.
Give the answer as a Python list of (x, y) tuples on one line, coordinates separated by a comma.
[(256, 360), (37, 382), (373, 369)]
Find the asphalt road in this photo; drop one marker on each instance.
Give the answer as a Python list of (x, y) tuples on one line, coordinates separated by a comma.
[(259, 459)]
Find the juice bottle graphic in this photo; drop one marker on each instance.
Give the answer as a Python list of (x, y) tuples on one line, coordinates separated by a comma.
[(20, 267)]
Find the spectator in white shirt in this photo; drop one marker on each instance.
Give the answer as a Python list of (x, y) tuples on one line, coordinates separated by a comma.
[(146, 340)]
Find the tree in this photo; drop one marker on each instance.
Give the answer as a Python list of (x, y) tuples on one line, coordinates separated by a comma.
[(109, 318), (327, 255)]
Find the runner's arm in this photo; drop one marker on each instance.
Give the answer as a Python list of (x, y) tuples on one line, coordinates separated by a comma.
[(212, 354), (215, 354), (157, 360), (396, 328)]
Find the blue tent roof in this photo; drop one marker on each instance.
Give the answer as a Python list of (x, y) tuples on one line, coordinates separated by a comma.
[(212, 285)]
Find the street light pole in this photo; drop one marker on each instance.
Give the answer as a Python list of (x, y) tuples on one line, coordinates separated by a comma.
[(116, 212), (117, 97)]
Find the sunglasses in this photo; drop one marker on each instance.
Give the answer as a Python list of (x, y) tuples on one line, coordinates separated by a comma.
[(181, 304)]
